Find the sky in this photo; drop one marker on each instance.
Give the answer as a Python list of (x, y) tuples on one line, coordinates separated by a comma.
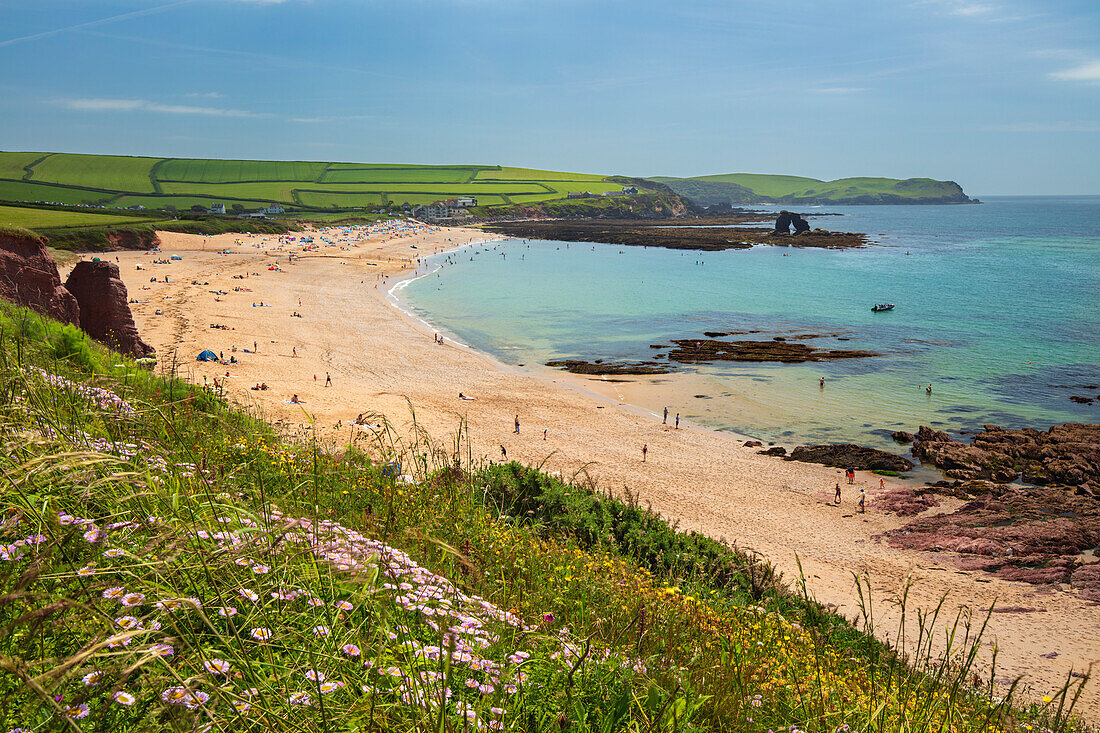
[(1002, 96)]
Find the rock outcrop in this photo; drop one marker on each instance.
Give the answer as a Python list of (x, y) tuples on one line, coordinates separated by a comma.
[(1066, 454), (788, 219), (1033, 535), (778, 349), (850, 456), (104, 311), (29, 277)]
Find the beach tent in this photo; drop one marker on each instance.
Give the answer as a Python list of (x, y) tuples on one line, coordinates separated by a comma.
[(207, 356)]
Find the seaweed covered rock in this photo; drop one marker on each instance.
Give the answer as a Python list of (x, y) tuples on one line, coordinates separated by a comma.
[(29, 277), (104, 311), (850, 455)]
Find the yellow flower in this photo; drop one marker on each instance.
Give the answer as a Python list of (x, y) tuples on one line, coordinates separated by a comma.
[(1047, 698)]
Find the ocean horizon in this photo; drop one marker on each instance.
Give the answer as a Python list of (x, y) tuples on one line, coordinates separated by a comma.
[(996, 308)]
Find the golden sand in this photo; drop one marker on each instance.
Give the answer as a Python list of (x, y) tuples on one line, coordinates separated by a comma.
[(382, 361)]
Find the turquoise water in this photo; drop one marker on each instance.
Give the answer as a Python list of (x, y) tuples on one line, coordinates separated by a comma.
[(998, 307)]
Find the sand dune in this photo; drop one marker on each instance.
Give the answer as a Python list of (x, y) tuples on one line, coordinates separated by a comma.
[(381, 361)]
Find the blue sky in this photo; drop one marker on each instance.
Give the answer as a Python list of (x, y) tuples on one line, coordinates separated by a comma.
[(1002, 96)]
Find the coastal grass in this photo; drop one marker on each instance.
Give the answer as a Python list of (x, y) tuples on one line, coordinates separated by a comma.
[(34, 192), (169, 562), (237, 171), (13, 165)]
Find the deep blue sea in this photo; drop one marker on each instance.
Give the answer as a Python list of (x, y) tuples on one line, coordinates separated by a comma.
[(997, 306)]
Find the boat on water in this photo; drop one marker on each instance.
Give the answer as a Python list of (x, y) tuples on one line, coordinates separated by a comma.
[(882, 307)]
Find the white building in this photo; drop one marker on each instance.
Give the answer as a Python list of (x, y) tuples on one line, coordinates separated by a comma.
[(273, 209), (217, 209)]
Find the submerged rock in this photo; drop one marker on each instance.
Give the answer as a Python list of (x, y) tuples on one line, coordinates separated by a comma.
[(703, 350), (104, 311), (29, 277), (579, 366)]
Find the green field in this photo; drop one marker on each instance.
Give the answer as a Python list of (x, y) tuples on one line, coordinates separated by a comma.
[(743, 188), (112, 172), (237, 171), (298, 185), (46, 218)]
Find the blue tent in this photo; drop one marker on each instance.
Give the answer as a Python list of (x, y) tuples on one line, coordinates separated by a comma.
[(208, 356)]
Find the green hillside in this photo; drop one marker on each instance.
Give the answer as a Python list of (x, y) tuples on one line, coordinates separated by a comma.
[(751, 188), (305, 186)]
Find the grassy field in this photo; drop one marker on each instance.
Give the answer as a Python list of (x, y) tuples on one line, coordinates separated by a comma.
[(46, 218), (155, 182), (171, 563), (751, 187), (111, 172)]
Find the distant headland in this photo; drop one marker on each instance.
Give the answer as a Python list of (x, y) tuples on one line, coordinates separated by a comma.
[(753, 188)]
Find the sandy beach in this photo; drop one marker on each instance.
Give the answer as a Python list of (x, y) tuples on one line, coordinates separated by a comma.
[(325, 313)]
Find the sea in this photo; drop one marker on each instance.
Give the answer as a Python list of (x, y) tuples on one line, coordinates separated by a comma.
[(997, 307)]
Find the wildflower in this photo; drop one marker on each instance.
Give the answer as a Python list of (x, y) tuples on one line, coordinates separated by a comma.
[(154, 521), (76, 712), (1047, 698), (114, 552), (315, 675), (216, 666), (327, 687), (162, 650), (486, 689), (344, 606), (174, 695), (351, 650), (93, 678), (87, 570), (127, 622), (261, 569), (548, 618), (241, 706), (301, 698), (93, 535), (227, 612), (124, 698), (168, 604), (320, 630), (133, 599), (195, 699), (249, 595), (114, 593), (261, 634)]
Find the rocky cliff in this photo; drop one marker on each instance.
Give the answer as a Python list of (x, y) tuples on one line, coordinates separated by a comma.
[(28, 276), (104, 310)]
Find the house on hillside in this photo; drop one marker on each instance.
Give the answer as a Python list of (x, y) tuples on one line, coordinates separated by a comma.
[(216, 209), (273, 209), (465, 201), (630, 190), (579, 195), (449, 209)]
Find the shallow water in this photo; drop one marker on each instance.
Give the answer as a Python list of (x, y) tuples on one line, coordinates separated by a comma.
[(998, 307)]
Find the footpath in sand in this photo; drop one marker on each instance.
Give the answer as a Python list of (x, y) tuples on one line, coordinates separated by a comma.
[(381, 361)]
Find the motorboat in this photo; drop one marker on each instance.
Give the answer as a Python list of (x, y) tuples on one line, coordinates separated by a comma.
[(882, 307)]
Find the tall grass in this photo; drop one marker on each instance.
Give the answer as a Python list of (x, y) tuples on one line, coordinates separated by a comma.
[(169, 563)]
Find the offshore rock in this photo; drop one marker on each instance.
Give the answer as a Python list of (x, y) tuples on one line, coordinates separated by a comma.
[(104, 312), (706, 350), (29, 277), (788, 219), (850, 456)]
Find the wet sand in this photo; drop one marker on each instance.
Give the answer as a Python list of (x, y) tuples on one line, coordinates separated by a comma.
[(382, 361)]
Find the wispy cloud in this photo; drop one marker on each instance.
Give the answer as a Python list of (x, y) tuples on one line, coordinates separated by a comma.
[(1047, 127), (332, 118), (99, 104), (970, 10), (839, 90), (93, 23), (205, 95), (1089, 71)]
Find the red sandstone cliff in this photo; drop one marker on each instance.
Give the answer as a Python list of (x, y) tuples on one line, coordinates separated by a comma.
[(28, 277), (104, 309)]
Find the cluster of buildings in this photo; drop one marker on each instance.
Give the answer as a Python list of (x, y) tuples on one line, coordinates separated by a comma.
[(450, 209), (627, 191)]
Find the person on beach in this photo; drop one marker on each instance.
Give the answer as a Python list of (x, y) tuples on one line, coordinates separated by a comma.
[(862, 500), (677, 421), (645, 449), (503, 452), (836, 499), (664, 420), (517, 424), (544, 433), (294, 351), (882, 483), (328, 379), (851, 473), (294, 399)]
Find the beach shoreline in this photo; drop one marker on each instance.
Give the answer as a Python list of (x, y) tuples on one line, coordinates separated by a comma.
[(382, 359)]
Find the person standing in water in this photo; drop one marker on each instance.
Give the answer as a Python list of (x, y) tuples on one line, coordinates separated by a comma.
[(822, 382)]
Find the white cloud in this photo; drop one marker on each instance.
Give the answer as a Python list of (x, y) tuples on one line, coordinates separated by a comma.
[(1089, 71), (143, 105), (972, 9), (1047, 127), (335, 118), (839, 90), (205, 95)]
